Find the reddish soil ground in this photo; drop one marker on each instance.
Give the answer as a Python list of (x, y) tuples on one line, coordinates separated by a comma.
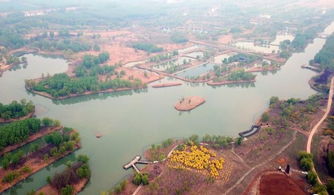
[(225, 39), (279, 184), (122, 54), (189, 103), (171, 47), (145, 76)]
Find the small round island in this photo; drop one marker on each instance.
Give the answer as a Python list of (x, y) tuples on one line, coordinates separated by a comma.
[(189, 103)]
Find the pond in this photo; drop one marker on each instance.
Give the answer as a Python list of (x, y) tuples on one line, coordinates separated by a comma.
[(178, 62), (196, 71), (269, 48)]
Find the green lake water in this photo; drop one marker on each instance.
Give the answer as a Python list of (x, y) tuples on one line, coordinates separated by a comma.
[(132, 121)]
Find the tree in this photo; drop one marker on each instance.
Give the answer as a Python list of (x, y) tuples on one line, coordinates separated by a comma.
[(194, 139), (311, 177), (83, 171), (239, 140), (273, 100), (306, 164), (137, 179), (68, 190), (34, 147), (330, 187), (83, 158), (18, 131), (330, 162), (148, 47), (47, 122), (140, 178), (55, 138), (16, 109), (179, 38), (265, 117)]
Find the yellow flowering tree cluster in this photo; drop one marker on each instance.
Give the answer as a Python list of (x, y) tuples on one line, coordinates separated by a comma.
[(199, 158)]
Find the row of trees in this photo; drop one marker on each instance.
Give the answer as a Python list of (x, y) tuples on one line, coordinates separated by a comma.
[(162, 57), (19, 131), (62, 141), (61, 85), (325, 57), (11, 39), (303, 38), (63, 45), (16, 109), (240, 75), (148, 47), (215, 141), (306, 163), (90, 66)]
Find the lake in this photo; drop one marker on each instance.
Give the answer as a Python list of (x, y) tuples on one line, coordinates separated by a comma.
[(132, 121)]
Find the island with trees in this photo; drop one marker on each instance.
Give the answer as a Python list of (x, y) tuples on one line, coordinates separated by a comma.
[(90, 77), (16, 111), (47, 141), (19, 164)]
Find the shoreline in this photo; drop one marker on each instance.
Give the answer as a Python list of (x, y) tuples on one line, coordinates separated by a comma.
[(162, 85), (189, 103), (226, 82), (29, 115)]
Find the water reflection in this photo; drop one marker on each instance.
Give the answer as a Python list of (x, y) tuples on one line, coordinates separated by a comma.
[(100, 96)]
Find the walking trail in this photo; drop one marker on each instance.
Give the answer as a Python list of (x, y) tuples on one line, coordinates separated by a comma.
[(316, 127)]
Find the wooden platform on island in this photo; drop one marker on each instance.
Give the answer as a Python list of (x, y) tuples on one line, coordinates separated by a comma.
[(189, 103), (160, 85)]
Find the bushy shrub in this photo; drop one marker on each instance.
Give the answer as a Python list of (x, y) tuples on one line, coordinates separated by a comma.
[(140, 178), (311, 178)]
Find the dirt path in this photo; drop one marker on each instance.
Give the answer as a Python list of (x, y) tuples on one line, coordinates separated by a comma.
[(315, 128), (263, 163), (239, 157)]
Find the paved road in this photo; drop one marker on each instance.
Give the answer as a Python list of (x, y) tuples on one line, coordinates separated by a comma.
[(316, 127)]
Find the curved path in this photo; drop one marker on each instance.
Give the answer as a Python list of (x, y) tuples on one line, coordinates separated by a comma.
[(262, 164), (316, 127)]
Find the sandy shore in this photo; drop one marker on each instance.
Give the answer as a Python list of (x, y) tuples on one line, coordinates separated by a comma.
[(189, 103), (211, 83), (166, 85)]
